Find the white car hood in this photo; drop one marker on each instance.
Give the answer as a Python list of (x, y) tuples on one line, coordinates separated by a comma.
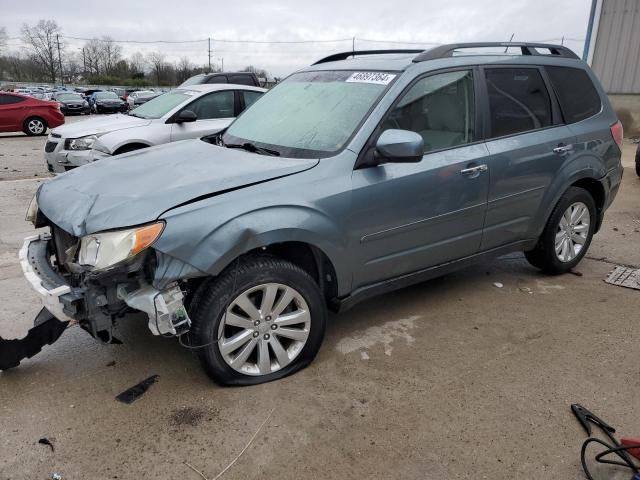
[(99, 125)]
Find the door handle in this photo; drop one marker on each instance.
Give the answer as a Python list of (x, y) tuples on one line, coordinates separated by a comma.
[(563, 149), (474, 171)]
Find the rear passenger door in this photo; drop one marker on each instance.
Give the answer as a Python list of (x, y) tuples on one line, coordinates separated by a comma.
[(215, 111), (528, 144)]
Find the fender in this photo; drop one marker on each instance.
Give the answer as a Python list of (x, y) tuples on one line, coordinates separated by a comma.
[(585, 165), (212, 250)]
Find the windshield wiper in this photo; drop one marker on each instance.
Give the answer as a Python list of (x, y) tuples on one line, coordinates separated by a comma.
[(250, 147)]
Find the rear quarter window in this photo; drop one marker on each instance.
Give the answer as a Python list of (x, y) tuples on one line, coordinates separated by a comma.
[(577, 96)]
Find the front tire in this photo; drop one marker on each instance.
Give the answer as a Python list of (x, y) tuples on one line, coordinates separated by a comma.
[(260, 320), (567, 235), (34, 126), (638, 161)]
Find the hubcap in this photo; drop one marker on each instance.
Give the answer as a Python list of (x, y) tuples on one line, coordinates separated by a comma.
[(36, 126), (572, 232), (264, 329)]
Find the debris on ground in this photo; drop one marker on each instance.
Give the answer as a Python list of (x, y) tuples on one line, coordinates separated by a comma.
[(526, 290), (498, 284), (46, 441), (187, 416), (56, 476), (112, 363), (132, 394), (624, 277), (576, 273)]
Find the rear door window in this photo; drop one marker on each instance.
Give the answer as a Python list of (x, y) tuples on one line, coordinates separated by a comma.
[(518, 100), (10, 99), (577, 96), (250, 97)]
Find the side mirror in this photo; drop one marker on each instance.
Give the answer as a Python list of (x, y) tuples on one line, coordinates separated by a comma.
[(399, 146), (186, 116)]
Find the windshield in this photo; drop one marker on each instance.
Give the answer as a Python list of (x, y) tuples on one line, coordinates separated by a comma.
[(161, 105), (106, 96), (310, 114), (69, 97), (193, 80)]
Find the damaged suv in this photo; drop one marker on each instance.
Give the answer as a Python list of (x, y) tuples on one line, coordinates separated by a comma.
[(353, 177)]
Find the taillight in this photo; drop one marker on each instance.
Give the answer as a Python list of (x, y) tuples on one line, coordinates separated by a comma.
[(617, 133)]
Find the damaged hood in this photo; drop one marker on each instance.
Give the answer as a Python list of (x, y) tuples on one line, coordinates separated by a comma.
[(138, 187), (100, 125)]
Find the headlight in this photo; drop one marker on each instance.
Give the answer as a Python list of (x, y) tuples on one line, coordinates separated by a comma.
[(82, 143), (32, 211), (103, 250)]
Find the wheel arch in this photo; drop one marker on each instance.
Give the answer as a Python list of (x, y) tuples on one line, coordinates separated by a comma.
[(129, 146)]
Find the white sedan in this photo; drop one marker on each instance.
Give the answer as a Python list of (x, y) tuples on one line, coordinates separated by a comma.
[(182, 113)]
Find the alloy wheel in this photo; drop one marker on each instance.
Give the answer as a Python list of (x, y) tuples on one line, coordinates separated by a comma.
[(35, 126), (573, 232), (264, 329)]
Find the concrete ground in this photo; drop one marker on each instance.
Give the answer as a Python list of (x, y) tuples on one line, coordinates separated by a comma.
[(453, 378)]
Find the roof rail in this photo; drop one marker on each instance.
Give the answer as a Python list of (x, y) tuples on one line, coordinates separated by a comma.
[(444, 51), (344, 55)]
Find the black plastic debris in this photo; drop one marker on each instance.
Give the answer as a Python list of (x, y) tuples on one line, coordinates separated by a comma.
[(135, 392), (46, 441), (46, 331)]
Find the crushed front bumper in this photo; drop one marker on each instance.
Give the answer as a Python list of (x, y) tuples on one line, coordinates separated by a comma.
[(49, 284)]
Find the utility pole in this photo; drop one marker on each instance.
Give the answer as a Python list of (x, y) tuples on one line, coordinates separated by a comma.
[(60, 59), (222, 66), (84, 64), (353, 47), (209, 54)]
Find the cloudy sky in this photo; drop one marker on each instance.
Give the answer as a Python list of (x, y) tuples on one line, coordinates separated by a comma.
[(231, 24)]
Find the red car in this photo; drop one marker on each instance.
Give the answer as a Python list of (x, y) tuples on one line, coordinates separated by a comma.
[(29, 115)]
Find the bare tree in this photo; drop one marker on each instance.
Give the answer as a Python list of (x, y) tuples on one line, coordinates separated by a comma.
[(157, 63), (184, 69), (136, 62), (41, 40), (93, 56), (110, 54), (261, 73)]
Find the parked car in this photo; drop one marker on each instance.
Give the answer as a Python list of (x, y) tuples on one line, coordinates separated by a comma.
[(106, 102), (350, 178), (71, 103), (238, 78), (189, 112), (135, 99), (19, 113)]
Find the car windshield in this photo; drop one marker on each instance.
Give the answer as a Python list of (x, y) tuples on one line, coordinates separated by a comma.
[(193, 80), (161, 105), (310, 114), (106, 96), (69, 97)]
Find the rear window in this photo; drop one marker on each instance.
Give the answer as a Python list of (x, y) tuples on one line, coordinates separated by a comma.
[(577, 96), (518, 101)]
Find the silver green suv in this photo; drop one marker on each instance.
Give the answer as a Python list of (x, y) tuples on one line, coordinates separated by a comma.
[(353, 177)]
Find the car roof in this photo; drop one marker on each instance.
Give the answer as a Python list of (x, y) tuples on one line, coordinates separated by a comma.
[(443, 56), (211, 87)]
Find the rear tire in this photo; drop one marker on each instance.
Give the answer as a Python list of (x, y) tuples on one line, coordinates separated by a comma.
[(283, 298), (34, 126), (567, 235), (638, 161)]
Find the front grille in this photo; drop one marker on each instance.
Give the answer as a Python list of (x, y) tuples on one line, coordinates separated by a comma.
[(50, 147)]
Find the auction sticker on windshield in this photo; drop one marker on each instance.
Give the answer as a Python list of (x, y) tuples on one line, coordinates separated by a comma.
[(378, 78)]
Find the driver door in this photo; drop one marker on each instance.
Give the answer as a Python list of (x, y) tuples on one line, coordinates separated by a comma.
[(411, 216), (215, 111)]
